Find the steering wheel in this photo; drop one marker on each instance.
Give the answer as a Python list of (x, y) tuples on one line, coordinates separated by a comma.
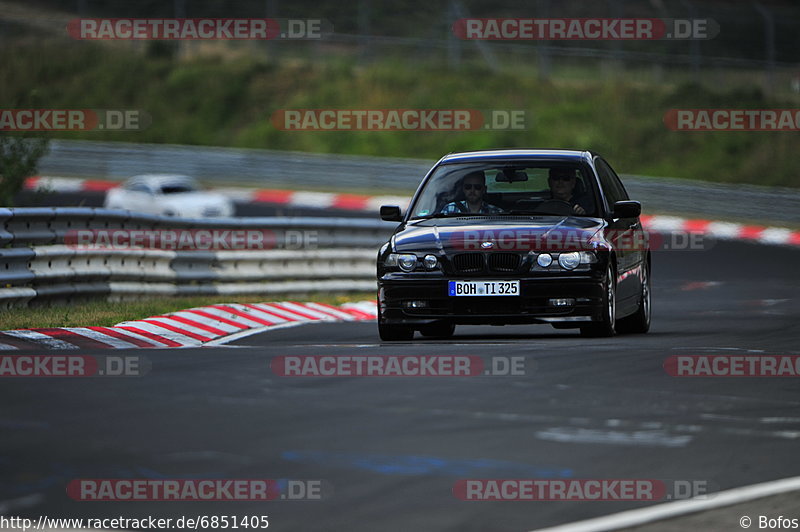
[(557, 202), (555, 205)]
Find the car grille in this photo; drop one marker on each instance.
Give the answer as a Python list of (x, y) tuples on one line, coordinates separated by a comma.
[(477, 262), (468, 262), (503, 262)]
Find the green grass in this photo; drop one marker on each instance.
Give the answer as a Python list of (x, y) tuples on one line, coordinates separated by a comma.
[(106, 314), (211, 101)]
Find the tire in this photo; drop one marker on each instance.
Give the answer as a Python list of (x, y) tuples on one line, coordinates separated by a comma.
[(438, 330), (639, 322), (605, 327), (395, 333)]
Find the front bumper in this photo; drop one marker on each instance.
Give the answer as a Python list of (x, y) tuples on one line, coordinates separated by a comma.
[(531, 306)]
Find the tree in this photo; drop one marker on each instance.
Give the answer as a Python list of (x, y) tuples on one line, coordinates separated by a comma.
[(18, 160)]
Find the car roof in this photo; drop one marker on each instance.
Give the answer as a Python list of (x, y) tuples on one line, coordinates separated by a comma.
[(160, 179), (469, 156)]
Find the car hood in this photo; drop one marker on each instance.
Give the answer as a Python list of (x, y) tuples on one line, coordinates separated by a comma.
[(498, 234)]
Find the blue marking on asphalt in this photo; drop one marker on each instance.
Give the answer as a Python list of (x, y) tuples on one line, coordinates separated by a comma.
[(425, 465)]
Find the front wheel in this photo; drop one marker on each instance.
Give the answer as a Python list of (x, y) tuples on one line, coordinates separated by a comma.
[(639, 322), (605, 327)]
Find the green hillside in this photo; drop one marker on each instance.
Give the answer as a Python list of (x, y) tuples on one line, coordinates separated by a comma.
[(210, 101)]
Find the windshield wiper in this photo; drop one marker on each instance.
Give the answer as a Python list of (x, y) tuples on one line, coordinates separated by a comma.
[(540, 213), (443, 215)]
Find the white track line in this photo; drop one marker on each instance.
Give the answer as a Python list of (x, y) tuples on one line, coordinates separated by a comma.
[(670, 510)]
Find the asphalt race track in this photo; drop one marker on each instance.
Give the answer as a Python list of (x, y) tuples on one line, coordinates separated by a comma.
[(392, 448)]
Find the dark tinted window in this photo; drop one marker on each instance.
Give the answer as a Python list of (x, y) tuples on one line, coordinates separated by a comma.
[(615, 178), (612, 187), (176, 189)]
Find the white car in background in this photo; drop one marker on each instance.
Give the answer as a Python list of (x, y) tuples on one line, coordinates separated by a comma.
[(168, 195)]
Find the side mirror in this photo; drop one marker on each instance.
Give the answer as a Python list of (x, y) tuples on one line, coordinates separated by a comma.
[(627, 209), (391, 213)]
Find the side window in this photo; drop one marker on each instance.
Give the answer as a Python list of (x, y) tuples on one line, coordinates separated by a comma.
[(615, 178), (138, 187), (611, 185)]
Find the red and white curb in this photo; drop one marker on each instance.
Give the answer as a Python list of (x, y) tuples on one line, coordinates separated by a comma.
[(289, 198), (722, 230), (188, 328), (358, 202)]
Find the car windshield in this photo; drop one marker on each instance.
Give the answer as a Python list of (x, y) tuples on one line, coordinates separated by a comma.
[(507, 187)]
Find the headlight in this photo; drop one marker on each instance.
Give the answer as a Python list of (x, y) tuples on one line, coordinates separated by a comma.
[(407, 262), (544, 260), (569, 261)]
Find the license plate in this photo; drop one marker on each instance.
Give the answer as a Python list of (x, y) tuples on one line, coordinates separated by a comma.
[(483, 288)]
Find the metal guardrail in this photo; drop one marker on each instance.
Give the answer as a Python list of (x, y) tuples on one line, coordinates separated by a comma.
[(299, 170), (38, 264), (221, 166)]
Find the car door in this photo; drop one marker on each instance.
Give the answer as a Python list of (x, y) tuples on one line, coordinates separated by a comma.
[(623, 233), (139, 197)]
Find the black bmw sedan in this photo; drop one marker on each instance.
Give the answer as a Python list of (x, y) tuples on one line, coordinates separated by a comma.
[(511, 237)]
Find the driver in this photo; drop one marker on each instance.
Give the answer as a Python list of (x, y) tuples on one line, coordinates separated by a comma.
[(562, 187), (474, 186)]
